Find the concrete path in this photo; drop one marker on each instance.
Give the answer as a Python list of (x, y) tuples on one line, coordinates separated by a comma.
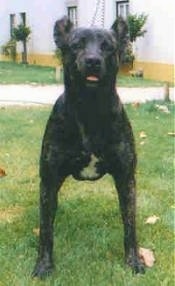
[(47, 94)]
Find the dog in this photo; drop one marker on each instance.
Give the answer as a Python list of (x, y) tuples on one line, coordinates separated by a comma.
[(88, 127)]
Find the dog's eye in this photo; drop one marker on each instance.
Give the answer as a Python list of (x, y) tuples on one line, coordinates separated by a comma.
[(77, 46), (105, 46)]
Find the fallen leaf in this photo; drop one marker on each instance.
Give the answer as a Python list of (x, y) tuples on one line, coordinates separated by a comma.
[(147, 256), (152, 219), (2, 173), (142, 135), (36, 231), (171, 133)]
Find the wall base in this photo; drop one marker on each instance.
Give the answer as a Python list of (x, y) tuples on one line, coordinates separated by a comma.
[(156, 71), (151, 70), (36, 59), (43, 60)]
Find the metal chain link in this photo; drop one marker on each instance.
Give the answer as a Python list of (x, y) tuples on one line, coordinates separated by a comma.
[(97, 7)]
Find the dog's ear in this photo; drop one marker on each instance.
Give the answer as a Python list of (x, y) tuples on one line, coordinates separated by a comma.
[(61, 31), (121, 32)]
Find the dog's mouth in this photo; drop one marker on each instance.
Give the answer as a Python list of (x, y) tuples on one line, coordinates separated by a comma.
[(92, 80)]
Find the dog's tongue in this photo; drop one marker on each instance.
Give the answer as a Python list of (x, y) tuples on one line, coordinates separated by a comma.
[(92, 78)]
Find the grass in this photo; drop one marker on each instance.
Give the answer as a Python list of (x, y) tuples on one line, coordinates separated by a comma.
[(88, 230), (129, 81), (11, 73)]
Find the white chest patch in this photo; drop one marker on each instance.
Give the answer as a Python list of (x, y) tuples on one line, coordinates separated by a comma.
[(90, 171)]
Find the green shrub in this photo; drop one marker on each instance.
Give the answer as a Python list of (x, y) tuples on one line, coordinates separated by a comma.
[(135, 25), (9, 49), (21, 33), (128, 56)]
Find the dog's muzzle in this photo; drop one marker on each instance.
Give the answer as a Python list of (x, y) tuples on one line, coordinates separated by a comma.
[(91, 68)]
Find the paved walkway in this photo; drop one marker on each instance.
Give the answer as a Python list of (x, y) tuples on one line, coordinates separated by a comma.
[(47, 94)]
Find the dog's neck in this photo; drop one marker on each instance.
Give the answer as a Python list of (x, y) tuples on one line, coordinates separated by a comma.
[(94, 98), (77, 88), (90, 105)]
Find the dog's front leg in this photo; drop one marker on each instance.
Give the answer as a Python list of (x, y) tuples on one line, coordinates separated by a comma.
[(127, 201), (48, 207)]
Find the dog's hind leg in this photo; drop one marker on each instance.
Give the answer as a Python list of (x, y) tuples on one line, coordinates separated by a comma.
[(127, 201), (48, 207)]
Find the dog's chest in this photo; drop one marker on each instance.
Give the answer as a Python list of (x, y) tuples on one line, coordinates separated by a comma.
[(90, 170)]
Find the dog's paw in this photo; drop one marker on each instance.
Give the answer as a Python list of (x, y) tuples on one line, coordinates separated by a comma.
[(42, 269), (136, 264), (138, 268)]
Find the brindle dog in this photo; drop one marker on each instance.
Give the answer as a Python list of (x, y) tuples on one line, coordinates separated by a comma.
[(88, 126)]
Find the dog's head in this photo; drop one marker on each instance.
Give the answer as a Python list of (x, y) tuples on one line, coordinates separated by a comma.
[(90, 55)]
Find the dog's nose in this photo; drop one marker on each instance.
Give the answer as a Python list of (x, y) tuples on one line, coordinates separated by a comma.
[(93, 62)]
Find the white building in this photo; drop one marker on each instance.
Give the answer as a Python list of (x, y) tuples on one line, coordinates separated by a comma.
[(40, 16), (154, 52)]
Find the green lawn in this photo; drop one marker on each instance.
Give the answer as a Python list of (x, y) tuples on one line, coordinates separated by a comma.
[(11, 73), (88, 229)]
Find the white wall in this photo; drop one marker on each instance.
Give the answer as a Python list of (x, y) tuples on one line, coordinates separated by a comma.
[(157, 44), (87, 10), (40, 16), (4, 23), (110, 13)]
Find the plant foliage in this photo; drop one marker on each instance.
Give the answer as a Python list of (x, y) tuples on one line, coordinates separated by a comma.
[(21, 33), (128, 56), (135, 26), (9, 49)]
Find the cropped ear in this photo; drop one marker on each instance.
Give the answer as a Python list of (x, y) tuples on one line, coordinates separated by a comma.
[(61, 31), (120, 29)]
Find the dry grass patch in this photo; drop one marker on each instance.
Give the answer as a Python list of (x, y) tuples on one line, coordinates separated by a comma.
[(9, 215)]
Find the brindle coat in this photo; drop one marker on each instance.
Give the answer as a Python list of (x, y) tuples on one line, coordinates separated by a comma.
[(88, 126)]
